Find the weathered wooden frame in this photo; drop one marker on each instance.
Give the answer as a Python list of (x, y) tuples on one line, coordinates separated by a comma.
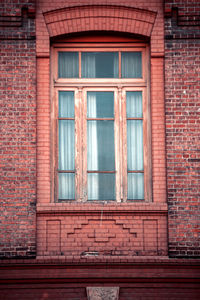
[(119, 86)]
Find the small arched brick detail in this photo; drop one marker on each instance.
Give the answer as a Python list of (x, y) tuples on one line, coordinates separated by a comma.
[(100, 18)]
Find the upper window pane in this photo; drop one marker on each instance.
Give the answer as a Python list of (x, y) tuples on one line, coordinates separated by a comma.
[(66, 104), (131, 65), (100, 104), (134, 105), (68, 66), (100, 64)]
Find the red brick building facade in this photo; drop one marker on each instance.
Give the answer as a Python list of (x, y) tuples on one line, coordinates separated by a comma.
[(133, 247)]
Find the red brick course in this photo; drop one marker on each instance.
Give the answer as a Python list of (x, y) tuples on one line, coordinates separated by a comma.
[(68, 278)]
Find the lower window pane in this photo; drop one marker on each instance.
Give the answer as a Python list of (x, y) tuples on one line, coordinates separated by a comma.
[(101, 150), (66, 145), (135, 186), (66, 186), (101, 186), (135, 145)]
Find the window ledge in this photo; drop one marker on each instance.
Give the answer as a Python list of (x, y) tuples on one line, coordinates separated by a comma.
[(136, 208)]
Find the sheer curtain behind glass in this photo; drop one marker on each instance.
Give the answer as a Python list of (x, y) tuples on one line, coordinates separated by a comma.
[(100, 64), (131, 64), (68, 66), (100, 146), (135, 145), (92, 148), (66, 145)]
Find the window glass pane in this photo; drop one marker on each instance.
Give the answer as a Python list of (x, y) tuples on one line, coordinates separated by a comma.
[(66, 186), (131, 65), (101, 186), (68, 66), (100, 104), (100, 146), (66, 145), (66, 104), (136, 186), (134, 105), (100, 64), (135, 145)]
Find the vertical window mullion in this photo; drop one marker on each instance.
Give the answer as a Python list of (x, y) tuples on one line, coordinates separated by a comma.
[(124, 146), (120, 64), (84, 145), (78, 144), (79, 60), (117, 95)]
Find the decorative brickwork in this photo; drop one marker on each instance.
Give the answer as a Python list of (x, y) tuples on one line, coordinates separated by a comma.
[(129, 8), (99, 18), (104, 234)]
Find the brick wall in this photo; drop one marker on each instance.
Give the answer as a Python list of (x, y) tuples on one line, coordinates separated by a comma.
[(18, 129), (182, 102)]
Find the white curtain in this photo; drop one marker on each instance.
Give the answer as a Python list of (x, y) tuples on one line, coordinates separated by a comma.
[(135, 145), (68, 65), (136, 186), (116, 66), (66, 145), (100, 65), (88, 65), (92, 148), (66, 189), (131, 65)]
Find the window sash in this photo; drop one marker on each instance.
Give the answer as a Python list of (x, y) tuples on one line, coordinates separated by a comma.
[(120, 86), (121, 172), (76, 66)]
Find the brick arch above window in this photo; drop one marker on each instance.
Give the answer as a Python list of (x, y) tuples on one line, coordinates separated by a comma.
[(99, 18)]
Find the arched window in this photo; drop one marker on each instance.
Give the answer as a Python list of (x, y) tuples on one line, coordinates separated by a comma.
[(101, 119)]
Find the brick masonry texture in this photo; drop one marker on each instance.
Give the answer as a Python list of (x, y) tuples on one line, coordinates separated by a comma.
[(18, 130), (75, 293), (45, 5), (182, 105), (18, 137), (107, 234), (64, 236)]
